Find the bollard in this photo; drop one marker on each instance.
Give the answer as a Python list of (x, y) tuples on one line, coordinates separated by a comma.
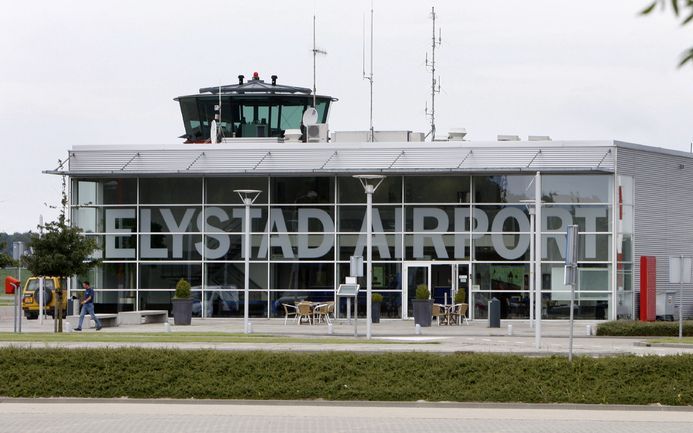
[(167, 327), (510, 329), (418, 329), (329, 329), (67, 327), (588, 329)]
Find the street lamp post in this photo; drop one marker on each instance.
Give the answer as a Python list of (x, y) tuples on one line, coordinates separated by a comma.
[(17, 253), (537, 261), (370, 183), (248, 196), (530, 208)]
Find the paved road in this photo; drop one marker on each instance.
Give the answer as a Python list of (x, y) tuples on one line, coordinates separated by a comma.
[(69, 416), (475, 337)]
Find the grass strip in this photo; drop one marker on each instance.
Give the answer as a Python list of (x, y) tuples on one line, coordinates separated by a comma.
[(634, 328), (202, 374), (672, 340), (183, 337)]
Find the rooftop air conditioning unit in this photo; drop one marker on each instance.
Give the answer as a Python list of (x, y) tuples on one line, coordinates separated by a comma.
[(292, 135), (539, 138), (317, 133), (508, 138), (457, 134)]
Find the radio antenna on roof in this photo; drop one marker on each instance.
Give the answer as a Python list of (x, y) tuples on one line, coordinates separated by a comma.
[(435, 83), (369, 77), (315, 53)]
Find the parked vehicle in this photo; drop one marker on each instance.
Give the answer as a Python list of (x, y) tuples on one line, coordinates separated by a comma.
[(31, 296)]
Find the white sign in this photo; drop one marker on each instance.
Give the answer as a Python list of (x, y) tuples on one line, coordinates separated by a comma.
[(430, 225), (675, 273)]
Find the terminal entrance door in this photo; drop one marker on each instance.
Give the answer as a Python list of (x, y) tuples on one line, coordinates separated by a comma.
[(442, 279)]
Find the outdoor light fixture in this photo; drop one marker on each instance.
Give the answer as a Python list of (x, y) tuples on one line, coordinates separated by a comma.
[(537, 261), (248, 197), (370, 183), (529, 204), (534, 208)]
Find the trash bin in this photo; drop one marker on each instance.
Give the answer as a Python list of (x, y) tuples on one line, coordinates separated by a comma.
[(494, 313)]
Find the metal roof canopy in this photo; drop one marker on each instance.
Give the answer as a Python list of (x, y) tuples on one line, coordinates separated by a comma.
[(346, 158), (255, 87)]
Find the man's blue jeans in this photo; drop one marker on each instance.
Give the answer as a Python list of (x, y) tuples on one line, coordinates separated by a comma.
[(88, 308)]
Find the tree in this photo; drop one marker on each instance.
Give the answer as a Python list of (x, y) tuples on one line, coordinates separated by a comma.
[(5, 259), (683, 10), (61, 251)]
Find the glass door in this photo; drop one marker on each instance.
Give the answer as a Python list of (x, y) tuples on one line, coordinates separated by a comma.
[(442, 283), (414, 275), (442, 279), (463, 281)]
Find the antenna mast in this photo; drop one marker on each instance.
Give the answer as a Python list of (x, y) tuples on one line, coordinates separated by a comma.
[(315, 53), (435, 84), (369, 77)]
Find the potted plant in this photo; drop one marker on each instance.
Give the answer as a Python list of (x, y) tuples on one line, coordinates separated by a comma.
[(182, 303), (423, 306), (460, 296), (376, 301)]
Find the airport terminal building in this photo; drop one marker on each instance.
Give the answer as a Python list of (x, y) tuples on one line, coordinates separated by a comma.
[(450, 214)]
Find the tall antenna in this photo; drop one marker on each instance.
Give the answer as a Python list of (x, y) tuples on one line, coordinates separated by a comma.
[(369, 77), (315, 53), (435, 84)]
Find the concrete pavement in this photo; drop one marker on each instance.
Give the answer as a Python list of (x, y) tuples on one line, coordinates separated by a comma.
[(475, 337), (105, 416)]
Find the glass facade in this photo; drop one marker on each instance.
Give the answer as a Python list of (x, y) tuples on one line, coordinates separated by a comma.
[(471, 232)]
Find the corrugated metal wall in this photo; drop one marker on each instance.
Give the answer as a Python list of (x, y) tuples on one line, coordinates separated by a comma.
[(663, 197)]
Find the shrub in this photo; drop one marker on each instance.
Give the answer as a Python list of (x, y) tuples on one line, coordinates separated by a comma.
[(634, 328), (376, 297), (422, 292), (269, 375), (460, 296), (182, 289)]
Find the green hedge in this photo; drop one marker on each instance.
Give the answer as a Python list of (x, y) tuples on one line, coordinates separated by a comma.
[(201, 374), (633, 328)]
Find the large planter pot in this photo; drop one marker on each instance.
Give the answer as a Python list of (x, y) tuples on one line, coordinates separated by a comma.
[(182, 311), (375, 312), (423, 311)]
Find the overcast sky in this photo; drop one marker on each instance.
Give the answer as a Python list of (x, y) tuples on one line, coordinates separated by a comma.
[(105, 72)]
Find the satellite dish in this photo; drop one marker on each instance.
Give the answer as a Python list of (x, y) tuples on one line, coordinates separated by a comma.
[(310, 116)]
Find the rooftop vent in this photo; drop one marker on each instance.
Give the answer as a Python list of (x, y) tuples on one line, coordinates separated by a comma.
[(508, 138), (539, 138), (292, 135), (457, 134)]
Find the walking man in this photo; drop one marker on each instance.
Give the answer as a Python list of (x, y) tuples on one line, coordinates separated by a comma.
[(88, 307)]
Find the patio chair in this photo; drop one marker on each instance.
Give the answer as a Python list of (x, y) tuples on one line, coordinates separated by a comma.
[(289, 311), (304, 310), (459, 313), (439, 311), (330, 309), (321, 311)]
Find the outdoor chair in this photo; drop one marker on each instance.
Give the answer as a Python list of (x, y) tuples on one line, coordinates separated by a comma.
[(459, 313), (289, 311), (304, 310), (330, 309), (439, 312), (321, 311)]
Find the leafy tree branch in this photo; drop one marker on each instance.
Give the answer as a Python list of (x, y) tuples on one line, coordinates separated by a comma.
[(683, 10)]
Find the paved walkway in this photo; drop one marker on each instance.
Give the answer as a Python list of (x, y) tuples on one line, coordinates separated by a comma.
[(68, 416), (475, 337)]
